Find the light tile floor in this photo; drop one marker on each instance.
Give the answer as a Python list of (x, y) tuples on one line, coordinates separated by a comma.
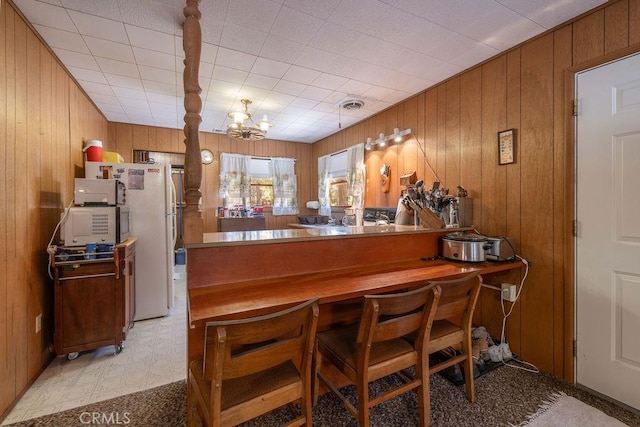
[(154, 354)]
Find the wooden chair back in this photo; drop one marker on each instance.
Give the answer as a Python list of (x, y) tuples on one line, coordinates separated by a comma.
[(236, 348), (459, 297), (253, 366), (389, 316)]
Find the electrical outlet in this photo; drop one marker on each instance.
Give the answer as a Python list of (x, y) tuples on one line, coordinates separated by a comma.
[(38, 322), (509, 292)]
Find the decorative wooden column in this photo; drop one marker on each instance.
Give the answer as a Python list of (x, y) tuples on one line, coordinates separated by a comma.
[(192, 45)]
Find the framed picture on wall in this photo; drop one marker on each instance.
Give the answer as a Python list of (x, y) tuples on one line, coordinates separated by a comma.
[(506, 147)]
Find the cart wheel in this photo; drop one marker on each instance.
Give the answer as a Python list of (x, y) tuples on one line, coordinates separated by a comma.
[(119, 348), (73, 356)]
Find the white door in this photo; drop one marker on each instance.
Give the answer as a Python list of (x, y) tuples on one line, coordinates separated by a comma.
[(608, 242)]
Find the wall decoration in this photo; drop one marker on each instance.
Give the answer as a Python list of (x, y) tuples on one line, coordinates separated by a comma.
[(506, 147)]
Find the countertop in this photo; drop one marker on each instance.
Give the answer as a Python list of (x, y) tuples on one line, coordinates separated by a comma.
[(235, 238)]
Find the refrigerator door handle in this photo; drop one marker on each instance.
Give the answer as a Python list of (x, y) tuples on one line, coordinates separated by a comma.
[(174, 203)]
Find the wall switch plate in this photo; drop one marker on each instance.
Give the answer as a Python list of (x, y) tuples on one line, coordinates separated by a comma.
[(38, 323), (509, 292)]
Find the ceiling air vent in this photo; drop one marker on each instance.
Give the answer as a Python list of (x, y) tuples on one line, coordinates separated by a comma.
[(352, 104)]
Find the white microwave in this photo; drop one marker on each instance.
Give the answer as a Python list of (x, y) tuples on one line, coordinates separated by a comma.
[(99, 192), (95, 224)]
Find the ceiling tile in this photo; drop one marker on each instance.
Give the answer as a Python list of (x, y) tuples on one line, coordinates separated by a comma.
[(117, 117), (211, 22), (234, 59), (46, 14), (262, 82), (118, 67), (159, 75), (110, 50), (242, 39), (152, 15), (209, 52), (162, 88), (550, 13), (378, 92), (104, 8), (122, 81), (300, 75), (319, 60), (76, 59), (158, 98), (152, 40), (306, 104), (155, 59), (255, 94), (105, 99), (270, 68), (279, 98), (220, 86), (319, 9), (125, 94), (257, 15), (329, 81), (111, 108), (355, 87), (501, 30), (279, 49), (315, 93), (88, 75), (63, 39), (294, 25), (98, 27), (96, 88), (289, 88), (229, 75)]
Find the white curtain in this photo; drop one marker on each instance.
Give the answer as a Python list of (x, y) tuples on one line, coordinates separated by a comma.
[(324, 178), (283, 179), (356, 174), (235, 179)]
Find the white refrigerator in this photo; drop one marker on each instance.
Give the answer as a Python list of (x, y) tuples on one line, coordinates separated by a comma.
[(150, 196)]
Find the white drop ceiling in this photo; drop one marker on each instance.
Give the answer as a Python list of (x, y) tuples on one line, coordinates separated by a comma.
[(296, 60)]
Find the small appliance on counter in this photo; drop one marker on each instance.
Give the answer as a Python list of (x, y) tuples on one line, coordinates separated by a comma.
[(474, 247)]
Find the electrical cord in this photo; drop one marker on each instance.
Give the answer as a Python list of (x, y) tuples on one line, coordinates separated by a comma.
[(529, 367), (51, 249)]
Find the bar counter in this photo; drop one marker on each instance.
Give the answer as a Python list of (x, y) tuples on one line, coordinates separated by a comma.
[(241, 274)]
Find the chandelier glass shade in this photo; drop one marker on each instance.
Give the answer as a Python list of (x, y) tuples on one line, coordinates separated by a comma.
[(243, 126)]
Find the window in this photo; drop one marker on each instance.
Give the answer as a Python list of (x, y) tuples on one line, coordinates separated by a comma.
[(248, 181), (261, 192), (338, 188), (261, 183)]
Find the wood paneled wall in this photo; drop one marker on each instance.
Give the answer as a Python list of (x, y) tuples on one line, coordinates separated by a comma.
[(44, 119), (124, 138), (457, 121)]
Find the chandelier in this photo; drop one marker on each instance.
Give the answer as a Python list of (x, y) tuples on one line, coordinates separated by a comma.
[(243, 126)]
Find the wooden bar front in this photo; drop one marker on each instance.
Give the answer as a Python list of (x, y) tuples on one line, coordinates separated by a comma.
[(239, 275)]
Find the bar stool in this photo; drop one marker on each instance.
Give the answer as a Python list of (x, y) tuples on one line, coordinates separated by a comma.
[(376, 348), (457, 302), (253, 366)]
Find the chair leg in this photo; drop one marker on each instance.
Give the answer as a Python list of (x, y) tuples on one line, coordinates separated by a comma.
[(306, 404), (468, 370), (316, 381), (362, 388), (424, 398)]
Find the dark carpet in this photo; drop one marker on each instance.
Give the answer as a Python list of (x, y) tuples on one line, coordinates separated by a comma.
[(505, 397)]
